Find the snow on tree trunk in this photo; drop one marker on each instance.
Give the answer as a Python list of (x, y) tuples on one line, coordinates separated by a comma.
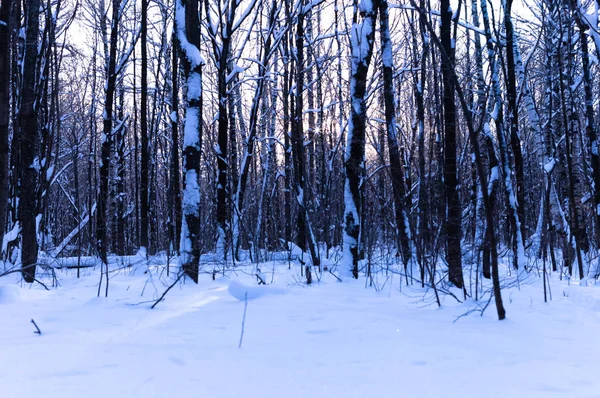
[(188, 35), (306, 238), (497, 116), (397, 167), (361, 40), (5, 26)]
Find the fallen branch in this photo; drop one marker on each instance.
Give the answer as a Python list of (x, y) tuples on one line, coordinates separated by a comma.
[(41, 283), (38, 331), (181, 274), (336, 277), (243, 319)]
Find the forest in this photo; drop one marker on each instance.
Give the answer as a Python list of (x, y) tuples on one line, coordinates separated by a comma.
[(446, 142)]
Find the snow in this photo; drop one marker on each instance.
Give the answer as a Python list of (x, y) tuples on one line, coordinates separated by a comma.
[(190, 134), (9, 294), (194, 86), (191, 194), (191, 51), (10, 236), (328, 340), (548, 167), (365, 6), (49, 173), (242, 291), (236, 69)]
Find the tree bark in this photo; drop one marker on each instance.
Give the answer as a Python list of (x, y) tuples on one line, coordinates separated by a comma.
[(362, 39), (397, 167), (453, 205), (107, 137), (590, 126), (174, 181), (5, 26), (306, 237), (144, 240), (28, 145), (513, 117), (189, 40)]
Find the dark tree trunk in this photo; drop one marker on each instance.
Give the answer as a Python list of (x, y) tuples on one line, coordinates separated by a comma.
[(144, 240), (306, 239), (513, 117), (453, 206), (5, 26), (569, 121), (489, 211), (192, 64), (397, 167), (362, 51), (422, 228), (590, 127), (28, 144), (119, 231), (174, 187), (221, 52), (101, 225), (241, 183), (513, 215)]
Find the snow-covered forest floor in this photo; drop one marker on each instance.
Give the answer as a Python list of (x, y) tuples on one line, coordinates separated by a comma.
[(330, 339)]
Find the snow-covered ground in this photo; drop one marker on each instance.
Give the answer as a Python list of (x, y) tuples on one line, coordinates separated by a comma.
[(330, 339)]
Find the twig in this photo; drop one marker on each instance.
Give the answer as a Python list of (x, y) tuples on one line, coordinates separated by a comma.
[(38, 331), (181, 274), (20, 269), (243, 319), (41, 283), (336, 277)]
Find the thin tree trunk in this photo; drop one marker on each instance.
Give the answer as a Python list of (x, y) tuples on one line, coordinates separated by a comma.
[(174, 183), (306, 237), (144, 240), (240, 189), (590, 126), (397, 167), (498, 116), (107, 139), (479, 164), (513, 116)]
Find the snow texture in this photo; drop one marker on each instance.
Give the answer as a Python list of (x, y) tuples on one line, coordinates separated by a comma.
[(348, 341), (9, 294), (190, 133), (194, 86), (191, 194), (242, 291)]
